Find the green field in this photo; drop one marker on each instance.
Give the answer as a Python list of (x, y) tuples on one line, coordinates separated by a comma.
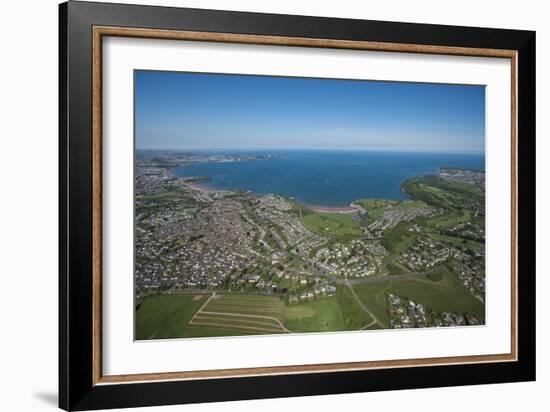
[(313, 316), (165, 316), (439, 290), (410, 204), (449, 219), (398, 238), (442, 193), (459, 242), (444, 293), (168, 316), (326, 315), (155, 197), (354, 316), (177, 316), (146, 204), (373, 297), (375, 207), (163, 198), (336, 225)]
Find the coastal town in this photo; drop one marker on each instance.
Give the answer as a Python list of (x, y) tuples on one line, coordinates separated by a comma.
[(193, 240)]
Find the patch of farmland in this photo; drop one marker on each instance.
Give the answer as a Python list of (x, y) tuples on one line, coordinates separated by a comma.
[(161, 317), (233, 322), (210, 316), (247, 313), (247, 304)]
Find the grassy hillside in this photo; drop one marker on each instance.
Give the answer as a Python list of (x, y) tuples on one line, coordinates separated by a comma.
[(336, 225), (375, 207), (325, 315), (442, 193), (165, 316), (354, 316), (440, 291)]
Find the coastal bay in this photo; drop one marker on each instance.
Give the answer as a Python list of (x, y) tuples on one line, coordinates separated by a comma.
[(326, 178)]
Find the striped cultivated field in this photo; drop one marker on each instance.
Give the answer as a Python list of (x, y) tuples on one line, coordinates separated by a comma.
[(252, 314), (226, 314), (246, 313)]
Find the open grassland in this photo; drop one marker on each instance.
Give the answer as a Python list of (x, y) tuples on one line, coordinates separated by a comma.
[(441, 193), (448, 220), (458, 242), (442, 293), (410, 204), (267, 314), (439, 290), (203, 315), (156, 197), (375, 207), (148, 203), (354, 316), (373, 297), (178, 316), (165, 316), (321, 315), (466, 189), (328, 314), (164, 198), (336, 225), (398, 238)]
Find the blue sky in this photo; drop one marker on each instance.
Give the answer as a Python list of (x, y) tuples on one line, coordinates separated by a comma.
[(215, 111)]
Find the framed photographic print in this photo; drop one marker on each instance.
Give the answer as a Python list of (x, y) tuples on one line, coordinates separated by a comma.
[(257, 205)]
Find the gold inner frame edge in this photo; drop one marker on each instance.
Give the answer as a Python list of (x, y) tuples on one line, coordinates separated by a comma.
[(101, 31)]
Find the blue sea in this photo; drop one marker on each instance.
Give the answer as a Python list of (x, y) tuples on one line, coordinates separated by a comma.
[(328, 178)]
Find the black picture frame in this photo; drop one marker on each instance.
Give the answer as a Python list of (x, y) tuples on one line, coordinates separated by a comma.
[(77, 390)]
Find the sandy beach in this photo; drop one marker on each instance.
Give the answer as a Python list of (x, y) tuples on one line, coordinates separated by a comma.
[(198, 186), (333, 209)]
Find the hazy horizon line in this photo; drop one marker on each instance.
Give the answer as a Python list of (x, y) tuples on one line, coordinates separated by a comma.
[(196, 149)]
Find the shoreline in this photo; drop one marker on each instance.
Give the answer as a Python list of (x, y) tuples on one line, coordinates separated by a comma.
[(349, 209), (332, 209), (201, 188)]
